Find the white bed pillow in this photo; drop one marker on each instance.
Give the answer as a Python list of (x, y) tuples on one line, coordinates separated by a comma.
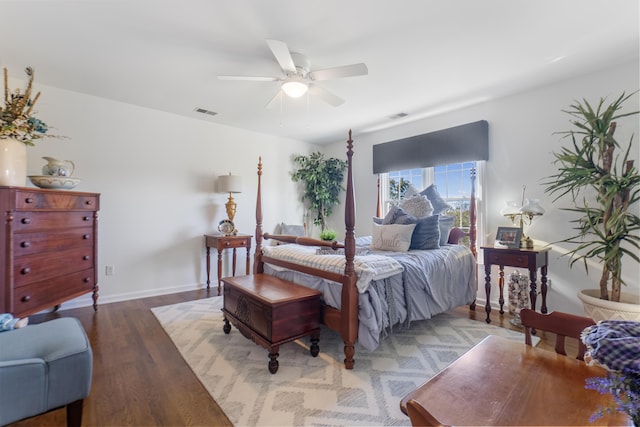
[(418, 206), (392, 237)]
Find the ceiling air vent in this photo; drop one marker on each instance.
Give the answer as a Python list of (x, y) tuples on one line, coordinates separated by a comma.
[(204, 111), (398, 116)]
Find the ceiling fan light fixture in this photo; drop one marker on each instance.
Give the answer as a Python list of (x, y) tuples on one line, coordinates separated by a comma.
[(295, 88)]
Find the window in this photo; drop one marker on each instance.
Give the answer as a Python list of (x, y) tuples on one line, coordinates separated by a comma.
[(453, 182)]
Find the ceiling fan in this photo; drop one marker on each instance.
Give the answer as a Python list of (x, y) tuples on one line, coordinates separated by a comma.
[(298, 77)]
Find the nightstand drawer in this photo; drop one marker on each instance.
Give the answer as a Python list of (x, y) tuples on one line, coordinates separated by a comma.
[(511, 260), (240, 242)]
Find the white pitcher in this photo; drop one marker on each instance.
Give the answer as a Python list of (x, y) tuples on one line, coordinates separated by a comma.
[(56, 167)]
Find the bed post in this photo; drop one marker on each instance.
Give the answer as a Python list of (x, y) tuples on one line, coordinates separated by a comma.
[(473, 227), (349, 290), (472, 215), (379, 203), (257, 259)]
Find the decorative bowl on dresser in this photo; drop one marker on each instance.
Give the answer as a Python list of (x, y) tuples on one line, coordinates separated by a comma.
[(49, 253)]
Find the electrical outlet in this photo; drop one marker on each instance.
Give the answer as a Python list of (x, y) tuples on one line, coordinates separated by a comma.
[(108, 270)]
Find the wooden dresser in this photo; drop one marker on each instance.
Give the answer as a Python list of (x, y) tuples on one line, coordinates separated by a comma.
[(49, 248)]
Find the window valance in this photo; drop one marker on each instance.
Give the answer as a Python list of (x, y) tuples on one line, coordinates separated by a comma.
[(458, 144)]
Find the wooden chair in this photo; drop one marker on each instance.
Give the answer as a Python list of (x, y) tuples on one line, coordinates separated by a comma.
[(419, 416), (561, 324)]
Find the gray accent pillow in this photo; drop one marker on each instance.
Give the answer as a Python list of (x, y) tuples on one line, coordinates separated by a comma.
[(439, 204), (446, 224), (292, 230)]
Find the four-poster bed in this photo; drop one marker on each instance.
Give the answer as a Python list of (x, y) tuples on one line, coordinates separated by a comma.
[(366, 292)]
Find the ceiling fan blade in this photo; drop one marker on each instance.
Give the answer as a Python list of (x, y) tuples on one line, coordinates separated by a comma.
[(325, 95), (282, 54), (339, 72), (251, 78), (277, 98)]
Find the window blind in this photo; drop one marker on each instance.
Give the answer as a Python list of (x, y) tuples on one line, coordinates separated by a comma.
[(458, 144)]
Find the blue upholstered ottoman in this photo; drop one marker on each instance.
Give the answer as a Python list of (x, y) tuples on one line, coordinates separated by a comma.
[(44, 367)]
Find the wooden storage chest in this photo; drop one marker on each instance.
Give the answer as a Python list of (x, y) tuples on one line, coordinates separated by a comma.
[(271, 312)]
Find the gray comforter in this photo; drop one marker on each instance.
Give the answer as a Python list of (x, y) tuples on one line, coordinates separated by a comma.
[(432, 281)]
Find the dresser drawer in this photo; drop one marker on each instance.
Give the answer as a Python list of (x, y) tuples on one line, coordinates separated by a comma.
[(52, 200), (48, 293), (36, 267), (42, 242), (34, 221)]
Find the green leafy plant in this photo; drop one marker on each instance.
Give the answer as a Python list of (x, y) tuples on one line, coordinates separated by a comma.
[(590, 171), (328, 235), (322, 179)]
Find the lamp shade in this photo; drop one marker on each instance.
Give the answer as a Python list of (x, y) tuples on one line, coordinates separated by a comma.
[(229, 184), (532, 207), (511, 208)]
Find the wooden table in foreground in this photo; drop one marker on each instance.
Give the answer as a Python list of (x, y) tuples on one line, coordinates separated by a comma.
[(504, 382)]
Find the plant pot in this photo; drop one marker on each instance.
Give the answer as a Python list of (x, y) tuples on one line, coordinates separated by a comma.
[(599, 309)]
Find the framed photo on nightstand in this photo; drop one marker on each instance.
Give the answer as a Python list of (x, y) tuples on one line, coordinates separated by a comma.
[(509, 236)]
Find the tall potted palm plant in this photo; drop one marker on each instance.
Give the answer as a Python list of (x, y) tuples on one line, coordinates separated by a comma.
[(604, 186)]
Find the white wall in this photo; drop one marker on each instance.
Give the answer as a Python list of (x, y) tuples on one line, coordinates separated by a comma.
[(156, 173), (521, 134)]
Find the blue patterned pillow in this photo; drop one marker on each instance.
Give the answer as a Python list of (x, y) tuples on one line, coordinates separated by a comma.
[(439, 204), (446, 224), (426, 235)]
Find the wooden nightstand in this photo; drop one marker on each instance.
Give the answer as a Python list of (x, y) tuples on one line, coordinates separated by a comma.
[(221, 242), (531, 259)]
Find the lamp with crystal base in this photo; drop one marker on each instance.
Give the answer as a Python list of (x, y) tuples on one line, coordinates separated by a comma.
[(230, 184)]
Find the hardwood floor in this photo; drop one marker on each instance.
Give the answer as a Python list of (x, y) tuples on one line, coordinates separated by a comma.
[(140, 379)]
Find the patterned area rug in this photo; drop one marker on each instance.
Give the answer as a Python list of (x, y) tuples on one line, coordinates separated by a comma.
[(315, 391)]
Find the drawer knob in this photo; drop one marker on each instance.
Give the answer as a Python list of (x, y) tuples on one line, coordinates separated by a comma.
[(226, 243), (86, 280), (88, 202), (86, 236), (25, 244), (86, 257), (28, 200), (25, 270), (26, 220), (25, 298), (86, 218)]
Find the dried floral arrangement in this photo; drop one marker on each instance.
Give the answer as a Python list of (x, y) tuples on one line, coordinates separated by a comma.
[(16, 118)]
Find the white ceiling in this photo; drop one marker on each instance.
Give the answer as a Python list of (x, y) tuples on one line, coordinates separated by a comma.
[(424, 56)]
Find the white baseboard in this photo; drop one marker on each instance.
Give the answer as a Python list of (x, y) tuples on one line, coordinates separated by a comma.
[(87, 300)]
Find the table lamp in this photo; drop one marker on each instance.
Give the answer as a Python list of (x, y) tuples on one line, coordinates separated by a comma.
[(230, 184), (529, 209)]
